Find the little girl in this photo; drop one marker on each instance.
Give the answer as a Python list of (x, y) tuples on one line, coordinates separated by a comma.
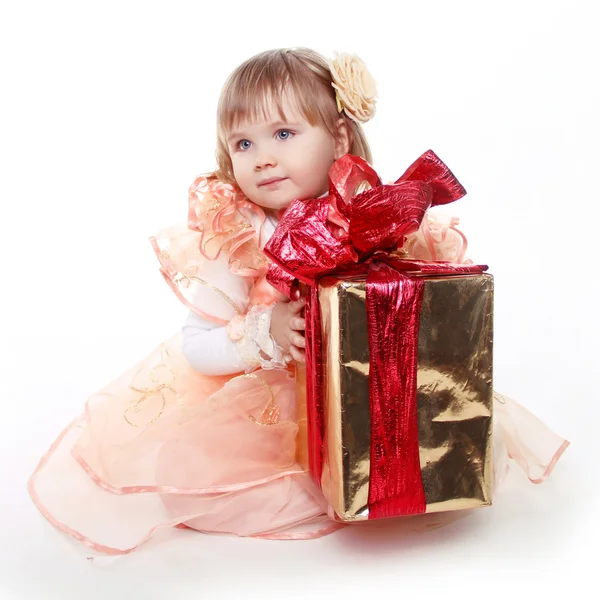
[(202, 433)]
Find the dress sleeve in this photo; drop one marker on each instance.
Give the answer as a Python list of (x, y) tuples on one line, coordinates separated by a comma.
[(211, 264), (241, 341)]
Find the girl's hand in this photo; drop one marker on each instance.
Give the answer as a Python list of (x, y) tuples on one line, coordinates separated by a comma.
[(287, 327)]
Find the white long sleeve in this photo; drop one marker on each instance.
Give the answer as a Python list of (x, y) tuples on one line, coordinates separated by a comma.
[(208, 349), (206, 345)]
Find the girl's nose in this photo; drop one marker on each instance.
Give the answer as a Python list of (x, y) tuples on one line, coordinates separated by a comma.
[(264, 160)]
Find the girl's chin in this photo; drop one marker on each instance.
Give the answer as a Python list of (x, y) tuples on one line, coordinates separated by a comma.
[(274, 203)]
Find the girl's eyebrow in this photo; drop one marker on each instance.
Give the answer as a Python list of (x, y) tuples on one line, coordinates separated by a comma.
[(236, 134)]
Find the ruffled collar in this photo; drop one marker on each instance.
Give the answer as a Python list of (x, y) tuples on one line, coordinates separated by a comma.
[(230, 223)]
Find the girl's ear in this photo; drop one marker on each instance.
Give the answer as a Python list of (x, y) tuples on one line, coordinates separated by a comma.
[(342, 138)]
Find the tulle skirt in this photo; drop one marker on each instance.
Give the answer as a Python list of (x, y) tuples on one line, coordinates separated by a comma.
[(163, 446)]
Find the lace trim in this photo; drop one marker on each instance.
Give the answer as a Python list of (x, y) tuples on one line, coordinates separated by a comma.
[(252, 335)]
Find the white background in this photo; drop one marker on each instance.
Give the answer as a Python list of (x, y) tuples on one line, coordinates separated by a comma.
[(107, 114)]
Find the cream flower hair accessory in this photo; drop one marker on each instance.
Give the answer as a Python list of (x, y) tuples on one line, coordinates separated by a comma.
[(355, 88)]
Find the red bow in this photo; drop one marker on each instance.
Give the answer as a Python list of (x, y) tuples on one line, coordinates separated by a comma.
[(360, 217)]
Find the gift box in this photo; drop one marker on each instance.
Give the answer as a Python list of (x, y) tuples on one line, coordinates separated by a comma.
[(395, 402), (449, 417)]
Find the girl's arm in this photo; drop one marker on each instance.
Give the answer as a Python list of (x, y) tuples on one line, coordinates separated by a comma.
[(208, 349), (243, 345)]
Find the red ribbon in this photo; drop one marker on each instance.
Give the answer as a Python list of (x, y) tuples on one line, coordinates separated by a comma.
[(353, 233)]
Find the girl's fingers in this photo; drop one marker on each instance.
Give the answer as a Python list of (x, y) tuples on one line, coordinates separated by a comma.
[(297, 339), (297, 323), (297, 354), (297, 305)]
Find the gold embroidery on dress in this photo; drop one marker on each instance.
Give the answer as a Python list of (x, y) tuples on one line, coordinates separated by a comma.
[(270, 414), (146, 393), (184, 280)]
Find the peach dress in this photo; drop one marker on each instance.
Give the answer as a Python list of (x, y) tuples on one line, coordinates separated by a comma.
[(164, 446)]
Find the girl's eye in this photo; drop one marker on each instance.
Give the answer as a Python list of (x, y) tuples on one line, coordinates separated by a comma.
[(284, 134), (244, 144)]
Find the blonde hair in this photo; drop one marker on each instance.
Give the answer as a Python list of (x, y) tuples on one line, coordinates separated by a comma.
[(300, 72)]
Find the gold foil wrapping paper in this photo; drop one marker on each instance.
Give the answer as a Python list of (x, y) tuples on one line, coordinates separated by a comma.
[(454, 394)]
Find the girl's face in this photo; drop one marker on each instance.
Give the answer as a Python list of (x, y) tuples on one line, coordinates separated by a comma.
[(276, 162)]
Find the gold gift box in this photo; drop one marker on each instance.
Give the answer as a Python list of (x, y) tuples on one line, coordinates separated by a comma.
[(454, 389)]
